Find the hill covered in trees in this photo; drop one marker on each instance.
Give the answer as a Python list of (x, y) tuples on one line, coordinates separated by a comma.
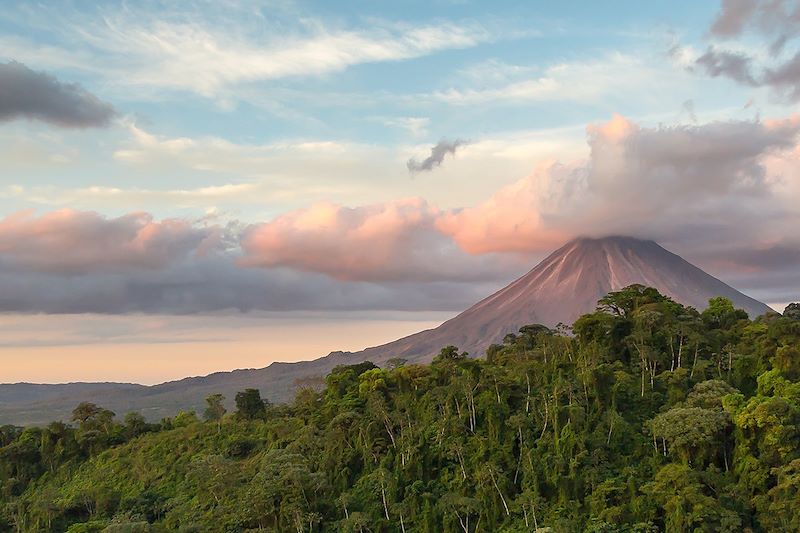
[(649, 416)]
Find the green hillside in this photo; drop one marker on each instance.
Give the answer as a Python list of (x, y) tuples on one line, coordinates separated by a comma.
[(648, 417)]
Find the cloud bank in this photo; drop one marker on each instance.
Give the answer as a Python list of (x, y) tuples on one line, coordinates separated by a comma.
[(81, 262), (32, 95), (723, 194)]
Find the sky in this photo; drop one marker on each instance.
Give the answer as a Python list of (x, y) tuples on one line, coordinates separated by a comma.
[(199, 186)]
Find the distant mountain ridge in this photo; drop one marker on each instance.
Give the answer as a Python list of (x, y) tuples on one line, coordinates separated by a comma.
[(559, 289)]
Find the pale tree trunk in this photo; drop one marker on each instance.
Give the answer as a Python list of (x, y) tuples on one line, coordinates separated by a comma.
[(502, 498)]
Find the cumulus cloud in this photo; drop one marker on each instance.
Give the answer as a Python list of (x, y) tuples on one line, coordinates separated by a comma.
[(438, 153), (392, 241), (659, 182), (76, 242), (32, 95)]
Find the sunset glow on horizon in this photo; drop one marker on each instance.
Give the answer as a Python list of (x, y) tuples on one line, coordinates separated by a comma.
[(366, 172)]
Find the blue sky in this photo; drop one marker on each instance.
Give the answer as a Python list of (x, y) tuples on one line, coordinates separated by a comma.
[(244, 159), (246, 74)]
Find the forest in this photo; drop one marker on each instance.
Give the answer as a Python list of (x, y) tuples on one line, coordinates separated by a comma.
[(643, 416)]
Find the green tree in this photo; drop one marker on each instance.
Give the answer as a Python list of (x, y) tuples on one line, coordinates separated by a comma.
[(215, 409), (249, 405), (792, 311)]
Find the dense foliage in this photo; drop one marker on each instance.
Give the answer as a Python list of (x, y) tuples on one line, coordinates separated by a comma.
[(649, 416)]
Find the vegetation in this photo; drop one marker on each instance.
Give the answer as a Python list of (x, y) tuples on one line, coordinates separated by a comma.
[(649, 417)]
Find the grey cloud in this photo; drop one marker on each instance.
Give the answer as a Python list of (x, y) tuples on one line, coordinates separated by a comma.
[(782, 285), (778, 45), (734, 15), (81, 262), (778, 22), (437, 156), (704, 191), (27, 94), (786, 78), (767, 17), (216, 284), (773, 257), (731, 65)]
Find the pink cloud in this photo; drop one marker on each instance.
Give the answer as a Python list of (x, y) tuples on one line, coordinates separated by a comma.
[(392, 241), (712, 192), (653, 182), (77, 242)]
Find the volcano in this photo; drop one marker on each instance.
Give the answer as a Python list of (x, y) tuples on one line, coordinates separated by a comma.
[(561, 288), (564, 286)]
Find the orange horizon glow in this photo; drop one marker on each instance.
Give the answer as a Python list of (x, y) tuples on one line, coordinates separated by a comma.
[(219, 348)]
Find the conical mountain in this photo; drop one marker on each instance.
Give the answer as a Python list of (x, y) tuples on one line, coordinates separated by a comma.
[(564, 286)]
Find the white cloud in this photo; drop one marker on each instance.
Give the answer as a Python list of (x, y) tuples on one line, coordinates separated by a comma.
[(577, 81), (416, 126), (178, 51)]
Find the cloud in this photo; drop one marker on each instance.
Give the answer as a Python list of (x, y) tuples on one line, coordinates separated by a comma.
[(387, 242), (663, 182), (723, 194), (196, 173), (196, 58), (731, 65), (786, 78), (438, 153), (214, 284), (81, 262), (416, 126), (27, 94), (733, 17), (778, 22), (615, 78), (74, 242), (230, 45), (772, 18), (696, 188)]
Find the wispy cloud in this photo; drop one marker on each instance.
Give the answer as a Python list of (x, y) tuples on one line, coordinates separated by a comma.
[(592, 80), (416, 126), (178, 51)]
